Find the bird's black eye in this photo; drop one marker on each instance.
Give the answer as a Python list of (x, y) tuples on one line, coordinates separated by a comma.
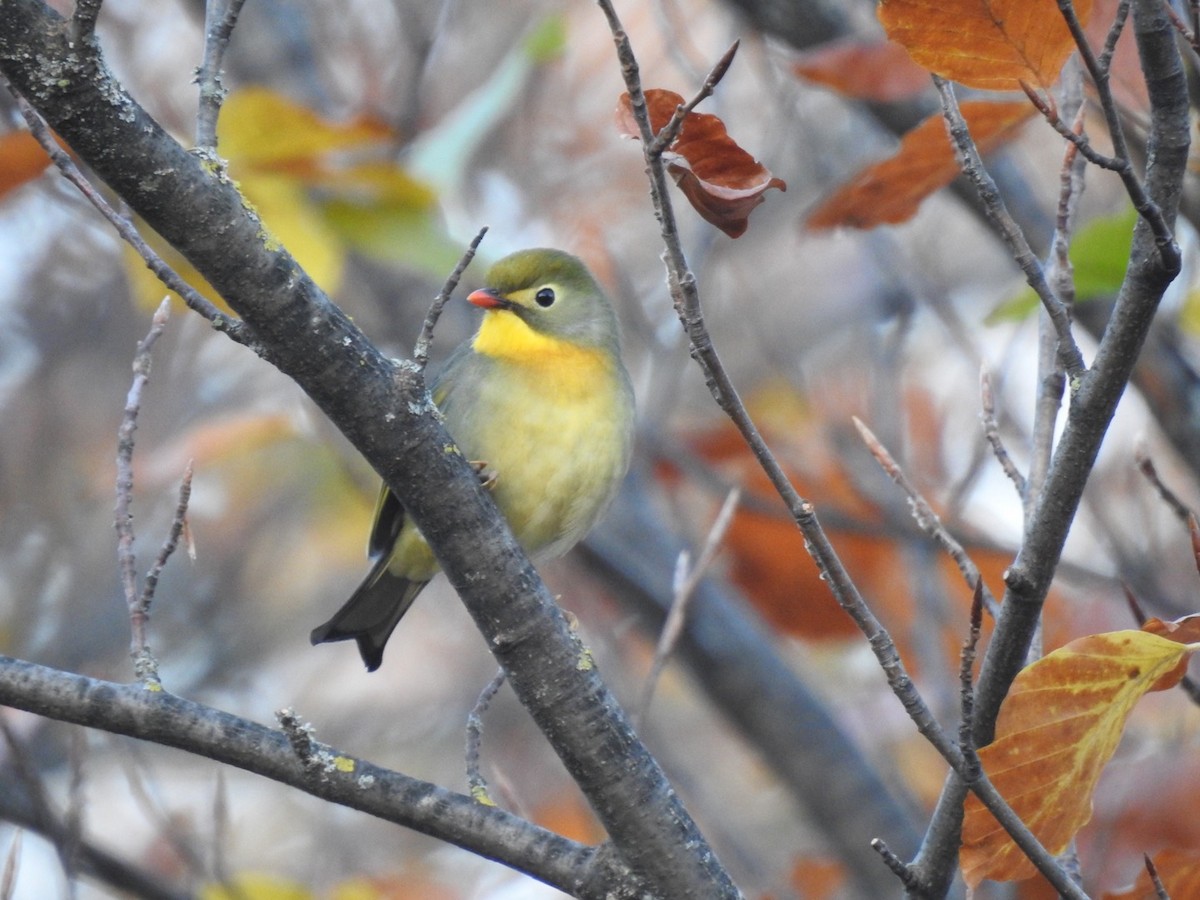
[(545, 297)]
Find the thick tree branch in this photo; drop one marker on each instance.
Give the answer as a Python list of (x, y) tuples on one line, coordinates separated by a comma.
[(385, 411)]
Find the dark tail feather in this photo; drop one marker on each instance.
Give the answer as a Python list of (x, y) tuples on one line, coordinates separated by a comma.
[(371, 614)]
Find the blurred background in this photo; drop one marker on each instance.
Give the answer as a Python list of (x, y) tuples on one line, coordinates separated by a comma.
[(376, 137)]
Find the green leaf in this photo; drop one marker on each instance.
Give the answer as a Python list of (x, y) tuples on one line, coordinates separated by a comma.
[(1099, 256)]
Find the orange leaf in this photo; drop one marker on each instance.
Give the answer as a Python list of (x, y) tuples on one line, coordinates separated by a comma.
[(867, 70), (890, 191), (1056, 731), (986, 44), (1178, 871), (21, 159), (721, 180)]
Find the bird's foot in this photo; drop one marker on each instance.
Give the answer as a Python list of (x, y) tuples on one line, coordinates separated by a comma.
[(487, 476)]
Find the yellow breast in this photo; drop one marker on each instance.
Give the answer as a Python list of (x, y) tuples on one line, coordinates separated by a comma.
[(505, 336), (564, 444)]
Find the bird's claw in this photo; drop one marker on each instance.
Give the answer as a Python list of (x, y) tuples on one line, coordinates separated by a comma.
[(487, 477)]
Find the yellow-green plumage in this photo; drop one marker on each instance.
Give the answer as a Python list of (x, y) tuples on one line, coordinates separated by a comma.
[(541, 396)]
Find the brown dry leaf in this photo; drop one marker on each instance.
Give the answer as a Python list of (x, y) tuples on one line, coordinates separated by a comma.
[(1058, 728), (985, 44), (1185, 630), (721, 180), (22, 159), (1179, 872), (891, 191), (881, 71)]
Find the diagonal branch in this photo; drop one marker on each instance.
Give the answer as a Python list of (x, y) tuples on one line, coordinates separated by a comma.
[(312, 341)]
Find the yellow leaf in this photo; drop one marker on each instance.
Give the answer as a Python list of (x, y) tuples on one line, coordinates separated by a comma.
[(1056, 731), (259, 127), (279, 154), (986, 44), (289, 217)]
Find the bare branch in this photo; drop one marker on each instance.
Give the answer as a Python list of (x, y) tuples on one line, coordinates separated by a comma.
[(165, 719), (898, 866), (927, 520), (421, 350), (686, 580), (1150, 211), (1146, 466), (1010, 232), (220, 18), (1160, 889), (991, 430), (966, 737), (671, 130), (178, 523), (476, 784), (686, 298), (123, 512), (83, 22)]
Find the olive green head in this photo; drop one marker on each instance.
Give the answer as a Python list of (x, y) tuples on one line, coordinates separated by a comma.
[(553, 293)]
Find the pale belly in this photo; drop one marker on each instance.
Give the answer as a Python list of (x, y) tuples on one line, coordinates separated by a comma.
[(558, 462)]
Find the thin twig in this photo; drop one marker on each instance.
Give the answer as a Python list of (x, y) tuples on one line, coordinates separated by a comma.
[(1114, 34), (1010, 231), (178, 523), (927, 520), (671, 130), (1160, 889), (966, 728), (899, 867), (220, 18), (991, 430), (686, 580), (123, 511), (1164, 238), (83, 21), (476, 784), (1145, 464), (1077, 139), (425, 339), (144, 664), (1070, 190), (194, 300)]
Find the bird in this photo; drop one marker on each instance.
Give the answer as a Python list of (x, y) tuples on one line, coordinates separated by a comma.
[(540, 401)]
